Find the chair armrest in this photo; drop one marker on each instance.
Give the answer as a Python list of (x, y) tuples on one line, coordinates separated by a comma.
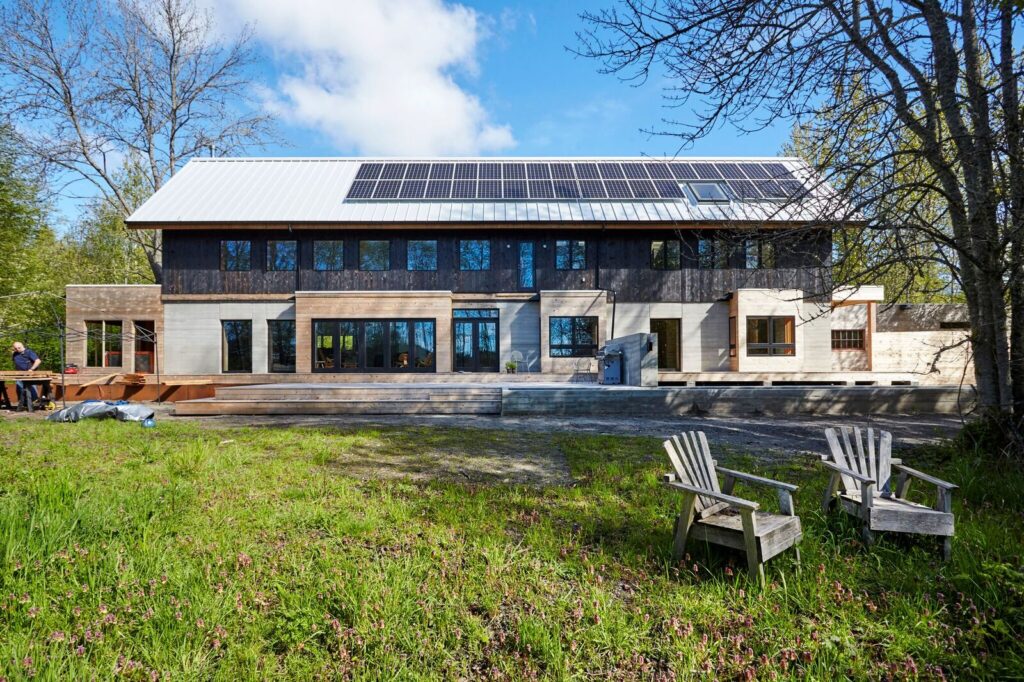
[(860, 478), (737, 502), (757, 480), (924, 477)]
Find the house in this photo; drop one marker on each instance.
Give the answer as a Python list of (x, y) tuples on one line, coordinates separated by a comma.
[(342, 269)]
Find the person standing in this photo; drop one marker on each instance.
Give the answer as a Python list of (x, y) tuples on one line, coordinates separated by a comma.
[(25, 360)]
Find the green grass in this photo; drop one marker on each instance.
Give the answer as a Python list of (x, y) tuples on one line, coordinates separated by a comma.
[(206, 553)]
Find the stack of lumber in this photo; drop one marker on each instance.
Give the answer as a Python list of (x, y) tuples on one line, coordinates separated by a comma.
[(132, 379)]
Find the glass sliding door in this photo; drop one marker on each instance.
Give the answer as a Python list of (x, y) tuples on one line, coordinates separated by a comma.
[(374, 346)]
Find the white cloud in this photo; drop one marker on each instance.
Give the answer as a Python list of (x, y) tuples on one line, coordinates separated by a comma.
[(376, 76)]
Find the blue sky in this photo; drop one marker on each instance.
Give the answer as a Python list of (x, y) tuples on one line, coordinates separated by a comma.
[(442, 77)]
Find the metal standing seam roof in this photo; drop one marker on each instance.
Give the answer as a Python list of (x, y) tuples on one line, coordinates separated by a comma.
[(313, 190)]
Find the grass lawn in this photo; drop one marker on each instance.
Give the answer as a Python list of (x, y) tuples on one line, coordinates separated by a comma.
[(198, 552)]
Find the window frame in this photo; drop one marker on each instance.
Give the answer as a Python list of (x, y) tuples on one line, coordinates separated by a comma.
[(224, 255), (849, 339), (272, 266), (387, 256), (574, 348), (408, 255), (270, 347), (723, 199), (486, 258), (761, 251), (316, 262), (572, 247), (665, 256), (771, 348), (103, 336), (523, 246)]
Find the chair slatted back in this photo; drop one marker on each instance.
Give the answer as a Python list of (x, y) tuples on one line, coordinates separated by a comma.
[(691, 459), (862, 455)]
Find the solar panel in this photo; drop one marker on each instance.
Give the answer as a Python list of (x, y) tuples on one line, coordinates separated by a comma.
[(361, 189), (441, 171), (369, 171), (562, 171), (669, 189), (566, 189), (617, 189), (778, 171), (659, 171), (643, 189), (465, 171), (514, 189), (464, 189), (513, 171), (541, 189), (592, 189), (705, 171), (770, 189), (792, 188), (413, 189), (683, 171), (743, 189), (755, 171), (538, 171), (439, 189), (586, 171), (393, 171), (730, 171), (635, 171), (387, 189), (610, 170), (417, 171), (490, 171), (489, 189)]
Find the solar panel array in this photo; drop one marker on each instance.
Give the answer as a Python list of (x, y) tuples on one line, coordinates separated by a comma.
[(592, 181)]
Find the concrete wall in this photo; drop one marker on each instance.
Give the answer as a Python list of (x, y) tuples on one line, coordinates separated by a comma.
[(640, 358), (193, 334), (122, 303), (571, 304), (916, 351), (704, 332), (812, 334)]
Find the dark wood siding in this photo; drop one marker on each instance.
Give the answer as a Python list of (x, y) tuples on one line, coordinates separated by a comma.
[(192, 264)]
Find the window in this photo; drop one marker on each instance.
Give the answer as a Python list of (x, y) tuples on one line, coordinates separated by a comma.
[(760, 254), (710, 192), (328, 256), (375, 255), (732, 336), (570, 254), (282, 345), (103, 344), (236, 346), (714, 253), (383, 345), (771, 336), (526, 269), (954, 324), (572, 337), (665, 255), (235, 255), (145, 346), (421, 254), (282, 255), (474, 254), (847, 339)]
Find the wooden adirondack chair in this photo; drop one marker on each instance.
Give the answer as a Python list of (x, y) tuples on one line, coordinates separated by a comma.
[(711, 514), (862, 482)]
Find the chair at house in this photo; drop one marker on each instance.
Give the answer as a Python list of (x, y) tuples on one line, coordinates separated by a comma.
[(862, 466), (711, 514)]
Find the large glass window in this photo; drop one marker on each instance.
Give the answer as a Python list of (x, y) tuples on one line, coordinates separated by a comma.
[(760, 253), (423, 343), (474, 254), (570, 254), (103, 344), (526, 268), (235, 255), (665, 254), (236, 346), (375, 254), (282, 255), (323, 345), (348, 345), (328, 255), (771, 336), (572, 337), (373, 345), (421, 254), (282, 345)]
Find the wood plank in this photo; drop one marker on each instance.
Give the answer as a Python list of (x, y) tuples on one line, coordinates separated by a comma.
[(105, 379)]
